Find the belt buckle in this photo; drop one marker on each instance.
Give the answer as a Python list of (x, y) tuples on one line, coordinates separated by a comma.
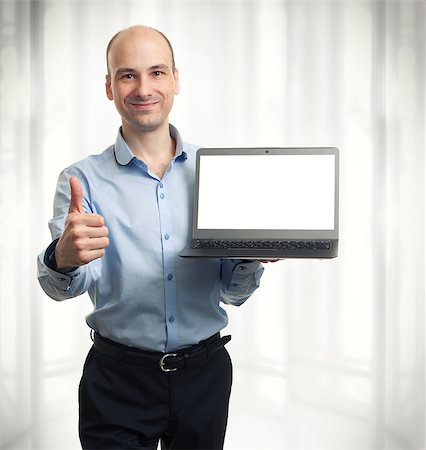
[(162, 363)]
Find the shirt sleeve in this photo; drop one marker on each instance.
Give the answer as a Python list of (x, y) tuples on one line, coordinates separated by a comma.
[(239, 279), (57, 285)]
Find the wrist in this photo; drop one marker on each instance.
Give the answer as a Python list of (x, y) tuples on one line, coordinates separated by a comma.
[(51, 261)]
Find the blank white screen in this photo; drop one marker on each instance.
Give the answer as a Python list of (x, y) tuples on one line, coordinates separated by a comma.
[(272, 192)]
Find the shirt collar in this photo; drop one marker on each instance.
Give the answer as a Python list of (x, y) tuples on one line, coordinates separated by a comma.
[(123, 154)]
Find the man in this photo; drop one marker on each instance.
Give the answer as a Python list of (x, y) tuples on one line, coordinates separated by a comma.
[(158, 369)]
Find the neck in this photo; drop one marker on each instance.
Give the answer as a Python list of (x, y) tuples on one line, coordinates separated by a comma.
[(152, 145), (155, 147)]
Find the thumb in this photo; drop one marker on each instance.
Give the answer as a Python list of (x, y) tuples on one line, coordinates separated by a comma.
[(76, 202)]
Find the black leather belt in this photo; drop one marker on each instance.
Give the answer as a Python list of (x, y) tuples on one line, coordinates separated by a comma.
[(167, 362)]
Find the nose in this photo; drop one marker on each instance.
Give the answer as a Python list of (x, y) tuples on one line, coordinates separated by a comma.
[(143, 87)]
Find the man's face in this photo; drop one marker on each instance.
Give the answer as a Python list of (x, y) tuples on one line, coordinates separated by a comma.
[(142, 82)]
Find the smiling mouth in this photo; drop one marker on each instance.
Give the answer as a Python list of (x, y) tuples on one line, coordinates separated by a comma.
[(143, 106)]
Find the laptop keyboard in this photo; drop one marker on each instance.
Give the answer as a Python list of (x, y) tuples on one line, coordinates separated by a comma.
[(264, 244)]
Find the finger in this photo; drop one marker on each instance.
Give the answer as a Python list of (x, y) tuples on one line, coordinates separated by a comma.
[(97, 232), (94, 254), (98, 243), (85, 245), (88, 220), (91, 233), (83, 233), (90, 255), (265, 261), (76, 202)]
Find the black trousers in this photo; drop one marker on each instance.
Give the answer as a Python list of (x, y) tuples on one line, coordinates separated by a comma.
[(127, 406)]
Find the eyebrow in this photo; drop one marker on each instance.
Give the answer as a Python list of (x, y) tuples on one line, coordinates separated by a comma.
[(122, 70), (159, 67)]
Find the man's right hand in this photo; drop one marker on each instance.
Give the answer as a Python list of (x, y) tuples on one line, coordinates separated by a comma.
[(85, 236)]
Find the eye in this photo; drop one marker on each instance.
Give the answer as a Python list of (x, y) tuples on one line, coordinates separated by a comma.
[(157, 73), (127, 76)]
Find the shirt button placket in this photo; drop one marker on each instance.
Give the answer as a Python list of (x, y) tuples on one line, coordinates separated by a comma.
[(168, 266)]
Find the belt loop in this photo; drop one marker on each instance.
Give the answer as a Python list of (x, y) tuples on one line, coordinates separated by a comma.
[(207, 347)]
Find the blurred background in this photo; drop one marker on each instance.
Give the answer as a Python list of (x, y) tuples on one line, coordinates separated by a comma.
[(327, 354)]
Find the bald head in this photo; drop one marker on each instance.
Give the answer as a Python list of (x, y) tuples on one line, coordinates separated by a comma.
[(137, 30)]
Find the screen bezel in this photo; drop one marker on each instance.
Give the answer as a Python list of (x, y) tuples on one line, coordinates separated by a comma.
[(265, 233)]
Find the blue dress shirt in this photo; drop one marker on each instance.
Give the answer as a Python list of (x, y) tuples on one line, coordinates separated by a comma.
[(143, 294)]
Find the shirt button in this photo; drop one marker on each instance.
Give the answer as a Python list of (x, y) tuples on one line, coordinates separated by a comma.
[(171, 319), (162, 195), (170, 277), (161, 185), (166, 237)]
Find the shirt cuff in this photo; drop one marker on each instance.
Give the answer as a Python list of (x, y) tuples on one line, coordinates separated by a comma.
[(246, 267), (49, 255), (62, 280)]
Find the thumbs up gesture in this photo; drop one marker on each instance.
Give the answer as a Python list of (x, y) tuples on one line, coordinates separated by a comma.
[(85, 236)]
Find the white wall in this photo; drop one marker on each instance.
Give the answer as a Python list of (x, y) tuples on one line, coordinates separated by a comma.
[(327, 354)]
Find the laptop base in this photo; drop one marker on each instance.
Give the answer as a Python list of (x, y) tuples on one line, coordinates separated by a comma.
[(254, 254)]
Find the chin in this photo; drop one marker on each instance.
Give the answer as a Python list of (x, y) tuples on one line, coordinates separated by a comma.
[(145, 122), (148, 126)]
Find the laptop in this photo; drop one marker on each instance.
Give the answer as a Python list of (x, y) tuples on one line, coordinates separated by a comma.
[(265, 203)]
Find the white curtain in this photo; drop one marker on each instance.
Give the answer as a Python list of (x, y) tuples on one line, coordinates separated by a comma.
[(327, 354)]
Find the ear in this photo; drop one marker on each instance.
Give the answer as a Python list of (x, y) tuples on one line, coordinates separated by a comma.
[(108, 87), (176, 77)]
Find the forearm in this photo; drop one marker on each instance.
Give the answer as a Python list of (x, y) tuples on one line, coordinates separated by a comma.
[(239, 280), (74, 229)]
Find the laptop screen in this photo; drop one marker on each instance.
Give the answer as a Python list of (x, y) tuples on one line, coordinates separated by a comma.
[(268, 191)]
